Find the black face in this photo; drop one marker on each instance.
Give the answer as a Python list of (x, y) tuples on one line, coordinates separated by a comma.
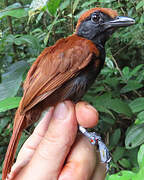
[(93, 25), (99, 26)]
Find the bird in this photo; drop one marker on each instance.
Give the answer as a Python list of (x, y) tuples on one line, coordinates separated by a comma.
[(64, 71)]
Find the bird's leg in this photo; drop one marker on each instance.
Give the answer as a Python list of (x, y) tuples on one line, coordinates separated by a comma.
[(95, 139)]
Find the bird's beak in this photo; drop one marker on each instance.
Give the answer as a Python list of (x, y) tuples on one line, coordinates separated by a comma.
[(119, 21)]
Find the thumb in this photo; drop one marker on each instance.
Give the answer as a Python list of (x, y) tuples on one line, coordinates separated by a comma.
[(51, 153)]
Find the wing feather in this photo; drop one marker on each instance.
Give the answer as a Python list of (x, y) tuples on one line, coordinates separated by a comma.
[(56, 65)]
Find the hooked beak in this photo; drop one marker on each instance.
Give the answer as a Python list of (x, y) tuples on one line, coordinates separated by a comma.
[(119, 21)]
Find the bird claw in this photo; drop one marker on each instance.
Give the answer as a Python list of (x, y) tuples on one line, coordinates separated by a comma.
[(95, 139)]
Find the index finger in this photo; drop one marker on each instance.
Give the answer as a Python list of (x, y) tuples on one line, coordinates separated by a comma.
[(87, 115)]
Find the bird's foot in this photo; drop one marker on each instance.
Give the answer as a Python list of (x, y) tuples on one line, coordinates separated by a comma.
[(95, 139)]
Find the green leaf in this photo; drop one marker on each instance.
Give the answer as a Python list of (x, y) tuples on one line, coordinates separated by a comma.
[(109, 63), (118, 153), (3, 123), (140, 118), (15, 10), (119, 106), (105, 110), (108, 119), (131, 155), (13, 6), (105, 101), (50, 29), (131, 85), (112, 81), (52, 6), (136, 69), (20, 39), (101, 103), (9, 103), (99, 89), (126, 73), (114, 139), (11, 80), (125, 163), (123, 175), (142, 19), (140, 174), (75, 4), (30, 40), (141, 156), (64, 5), (10, 38), (134, 136), (137, 105), (140, 4)]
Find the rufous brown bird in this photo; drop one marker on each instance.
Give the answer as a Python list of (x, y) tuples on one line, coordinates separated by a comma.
[(64, 71)]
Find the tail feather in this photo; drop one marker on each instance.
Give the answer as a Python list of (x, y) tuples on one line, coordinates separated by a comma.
[(11, 151)]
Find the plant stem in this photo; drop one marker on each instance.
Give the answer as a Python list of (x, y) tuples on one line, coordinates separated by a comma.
[(117, 67), (72, 18), (9, 20)]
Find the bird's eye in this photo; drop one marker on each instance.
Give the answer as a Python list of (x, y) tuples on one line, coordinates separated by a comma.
[(95, 18)]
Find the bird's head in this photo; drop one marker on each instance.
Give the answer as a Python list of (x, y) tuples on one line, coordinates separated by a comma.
[(98, 24)]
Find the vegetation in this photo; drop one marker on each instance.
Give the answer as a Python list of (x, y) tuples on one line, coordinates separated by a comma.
[(118, 91)]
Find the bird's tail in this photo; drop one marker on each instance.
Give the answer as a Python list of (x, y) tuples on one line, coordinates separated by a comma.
[(11, 151)]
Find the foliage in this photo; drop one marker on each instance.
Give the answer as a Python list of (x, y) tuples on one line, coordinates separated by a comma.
[(118, 91), (130, 175)]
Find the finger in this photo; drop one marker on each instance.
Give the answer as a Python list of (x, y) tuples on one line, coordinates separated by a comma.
[(87, 115), (49, 157), (100, 171), (81, 162), (31, 144)]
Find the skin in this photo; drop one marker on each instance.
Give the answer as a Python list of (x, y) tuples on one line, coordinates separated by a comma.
[(50, 154)]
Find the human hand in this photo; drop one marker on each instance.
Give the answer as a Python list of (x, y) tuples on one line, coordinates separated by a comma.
[(56, 151)]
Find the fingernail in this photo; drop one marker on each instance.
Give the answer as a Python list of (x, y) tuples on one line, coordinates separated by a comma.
[(90, 107), (61, 111), (87, 105)]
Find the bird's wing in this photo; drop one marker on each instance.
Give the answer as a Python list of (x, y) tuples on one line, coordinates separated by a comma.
[(54, 66)]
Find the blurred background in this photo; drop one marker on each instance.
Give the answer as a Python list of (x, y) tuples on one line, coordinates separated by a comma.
[(27, 27)]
